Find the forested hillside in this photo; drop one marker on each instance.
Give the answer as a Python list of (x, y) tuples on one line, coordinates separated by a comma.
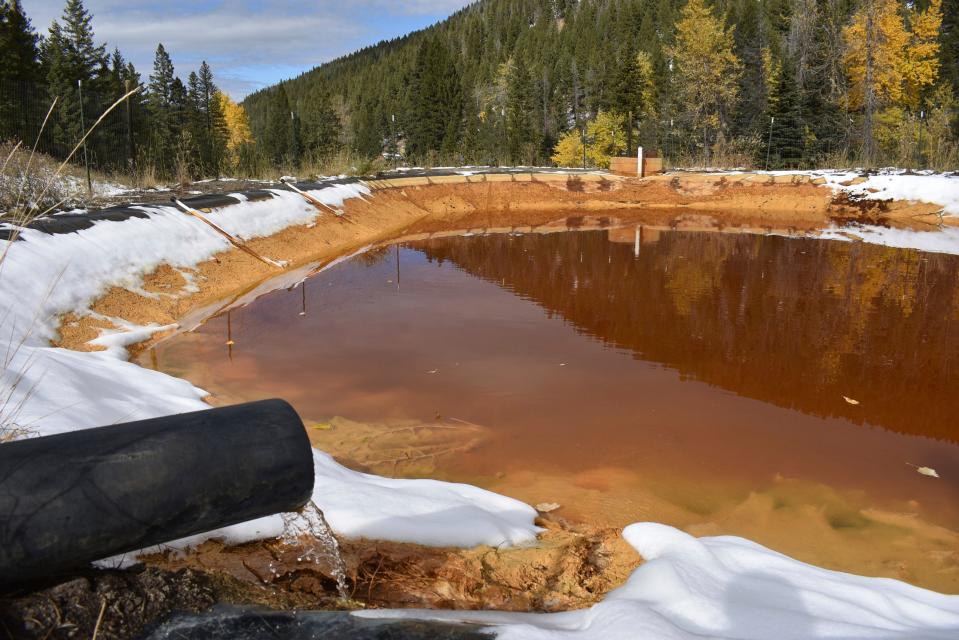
[(784, 82), (54, 85)]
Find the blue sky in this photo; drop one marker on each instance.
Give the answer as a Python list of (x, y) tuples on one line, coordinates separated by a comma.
[(249, 43)]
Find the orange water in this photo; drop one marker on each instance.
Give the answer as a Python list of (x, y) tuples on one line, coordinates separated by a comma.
[(691, 378)]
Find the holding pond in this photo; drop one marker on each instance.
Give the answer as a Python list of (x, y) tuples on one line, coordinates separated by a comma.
[(699, 380)]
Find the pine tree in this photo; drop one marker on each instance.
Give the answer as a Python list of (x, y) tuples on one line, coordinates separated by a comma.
[(949, 52), (752, 48), (523, 136), (436, 101), (19, 54), (277, 136), (162, 102), (320, 126), (74, 62), (633, 93), (19, 69), (784, 145), (213, 138)]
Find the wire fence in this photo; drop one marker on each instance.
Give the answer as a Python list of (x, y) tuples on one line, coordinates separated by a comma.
[(111, 148)]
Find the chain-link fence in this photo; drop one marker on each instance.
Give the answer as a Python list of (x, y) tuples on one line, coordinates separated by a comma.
[(111, 148)]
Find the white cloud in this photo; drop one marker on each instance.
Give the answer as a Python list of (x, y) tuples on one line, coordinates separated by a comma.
[(249, 43)]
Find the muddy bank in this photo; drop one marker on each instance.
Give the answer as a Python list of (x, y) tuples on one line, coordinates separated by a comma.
[(571, 567)]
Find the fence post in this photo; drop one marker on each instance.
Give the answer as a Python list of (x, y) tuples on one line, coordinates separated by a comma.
[(83, 130), (639, 163), (131, 150)]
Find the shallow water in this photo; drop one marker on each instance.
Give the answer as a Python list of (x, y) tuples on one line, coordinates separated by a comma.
[(695, 379)]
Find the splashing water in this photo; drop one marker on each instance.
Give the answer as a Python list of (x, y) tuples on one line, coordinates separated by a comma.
[(309, 523)]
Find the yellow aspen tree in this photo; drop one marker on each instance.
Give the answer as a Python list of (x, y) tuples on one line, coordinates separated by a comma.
[(707, 70), (237, 126), (605, 138), (920, 64), (877, 51)]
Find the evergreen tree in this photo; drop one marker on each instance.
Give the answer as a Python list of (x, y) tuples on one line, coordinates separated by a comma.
[(277, 136), (633, 92), (212, 141), (320, 126), (19, 54), (436, 101), (949, 50), (162, 101), (784, 144), (523, 134), (75, 64), (19, 71), (752, 48)]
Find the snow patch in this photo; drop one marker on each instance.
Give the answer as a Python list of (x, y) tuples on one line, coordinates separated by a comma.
[(945, 240)]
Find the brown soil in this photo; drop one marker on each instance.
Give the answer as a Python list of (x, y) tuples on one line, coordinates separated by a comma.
[(570, 567)]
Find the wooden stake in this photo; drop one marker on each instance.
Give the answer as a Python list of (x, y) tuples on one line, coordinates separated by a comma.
[(236, 242), (316, 203)]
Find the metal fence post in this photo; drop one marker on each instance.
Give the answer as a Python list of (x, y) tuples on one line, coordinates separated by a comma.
[(83, 130)]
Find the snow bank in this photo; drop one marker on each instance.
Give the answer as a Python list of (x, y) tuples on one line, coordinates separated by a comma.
[(888, 184), (427, 512), (932, 188), (728, 587)]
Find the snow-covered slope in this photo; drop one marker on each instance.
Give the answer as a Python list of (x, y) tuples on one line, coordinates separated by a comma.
[(933, 188)]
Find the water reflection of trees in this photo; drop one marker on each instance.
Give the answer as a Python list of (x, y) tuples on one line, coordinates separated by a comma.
[(799, 323)]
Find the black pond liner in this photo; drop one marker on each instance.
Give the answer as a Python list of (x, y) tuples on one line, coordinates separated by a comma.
[(254, 624)]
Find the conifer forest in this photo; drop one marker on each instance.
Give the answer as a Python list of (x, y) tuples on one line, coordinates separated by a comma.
[(702, 83)]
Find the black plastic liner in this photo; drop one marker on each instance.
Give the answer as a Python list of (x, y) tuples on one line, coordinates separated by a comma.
[(256, 624), (71, 222)]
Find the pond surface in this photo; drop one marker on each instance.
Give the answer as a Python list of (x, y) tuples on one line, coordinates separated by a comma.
[(778, 388)]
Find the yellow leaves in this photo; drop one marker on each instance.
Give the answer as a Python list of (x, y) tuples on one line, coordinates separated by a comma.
[(707, 69), (884, 40), (237, 125), (904, 61), (921, 60), (605, 138)]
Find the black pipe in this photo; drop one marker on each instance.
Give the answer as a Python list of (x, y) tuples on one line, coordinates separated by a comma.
[(66, 500)]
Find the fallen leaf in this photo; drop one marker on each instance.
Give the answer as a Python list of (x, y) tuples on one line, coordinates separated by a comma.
[(925, 471), (546, 507), (322, 426), (850, 400)]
